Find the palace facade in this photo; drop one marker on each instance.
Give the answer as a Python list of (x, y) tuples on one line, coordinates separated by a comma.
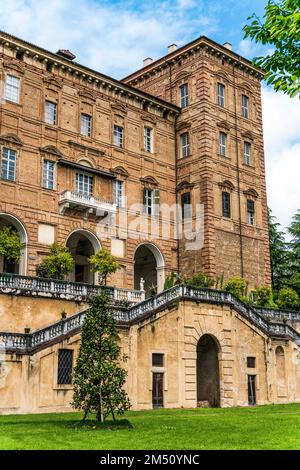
[(89, 161)]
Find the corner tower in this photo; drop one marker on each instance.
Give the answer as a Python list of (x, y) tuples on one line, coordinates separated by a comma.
[(219, 154)]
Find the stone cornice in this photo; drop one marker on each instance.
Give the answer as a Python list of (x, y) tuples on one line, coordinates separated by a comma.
[(11, 139), (83, 72)]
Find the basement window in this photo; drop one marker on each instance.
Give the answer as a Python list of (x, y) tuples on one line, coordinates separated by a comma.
[(64, 368)]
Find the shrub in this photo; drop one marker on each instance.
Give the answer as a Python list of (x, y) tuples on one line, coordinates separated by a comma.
[(10, 244), (172, 280), (288, 299), (200, 280), (237, 286), (57, 264), (103, 263), (263, 297)]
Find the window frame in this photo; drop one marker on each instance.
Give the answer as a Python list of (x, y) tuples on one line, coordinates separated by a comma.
[(226, 215), (46, 179), (91, 185), (87, 123), (186, 215), (184, 95), (119, 196), (222, 144), (245, 109), (12, 87), (250, 212), (148, 139), (53, 121), (118, 136), (185, 149), (247, 155), (60, 372), (8, 161), (221, 96), (148, 201)]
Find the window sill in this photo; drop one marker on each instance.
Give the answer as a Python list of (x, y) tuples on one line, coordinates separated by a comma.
[(14, 102), (63, 387)]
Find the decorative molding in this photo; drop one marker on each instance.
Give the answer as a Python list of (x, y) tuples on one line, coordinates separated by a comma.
[(85, 148), (148, 119), (183, 125), (52, 82), (248, 135), (52, 150), (184, 185), (14, 66), (224, 125), (119, 108), (11, 139), (149, 180), (221, 75), (226, 184), (87, 95), (120, 171), (183, 75), (251, 193)]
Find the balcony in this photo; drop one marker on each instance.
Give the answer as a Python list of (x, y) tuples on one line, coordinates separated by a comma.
[(87, 204), (15, 284)]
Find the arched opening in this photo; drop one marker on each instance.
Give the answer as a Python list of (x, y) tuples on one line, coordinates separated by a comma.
[(83, 244), (6, 265), (280, 372), (208, 377), (149, 265)]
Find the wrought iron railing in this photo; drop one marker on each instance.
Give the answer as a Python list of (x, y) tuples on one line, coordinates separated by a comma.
[(133, 313)]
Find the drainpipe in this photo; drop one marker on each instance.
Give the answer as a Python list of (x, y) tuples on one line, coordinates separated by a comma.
[(238, 174), (176, 192)]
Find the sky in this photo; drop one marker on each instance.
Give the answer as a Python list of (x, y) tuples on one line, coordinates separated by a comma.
[(114, 37)]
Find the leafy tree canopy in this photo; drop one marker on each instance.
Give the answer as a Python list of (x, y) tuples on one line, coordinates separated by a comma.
[(103, 263), (280, 29), (57, 264), (10, 244)]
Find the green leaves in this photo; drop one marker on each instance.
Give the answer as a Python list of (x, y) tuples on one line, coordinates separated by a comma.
[(98, 377), (10, 244), (57, 264), (281, 29), (104, 264)]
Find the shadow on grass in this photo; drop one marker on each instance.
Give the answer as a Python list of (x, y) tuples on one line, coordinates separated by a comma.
[(93, 425)]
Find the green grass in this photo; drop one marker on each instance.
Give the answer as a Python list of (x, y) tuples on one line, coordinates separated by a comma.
[(266, 427)]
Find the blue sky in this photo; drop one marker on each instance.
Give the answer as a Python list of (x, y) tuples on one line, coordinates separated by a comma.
[(115, 36)]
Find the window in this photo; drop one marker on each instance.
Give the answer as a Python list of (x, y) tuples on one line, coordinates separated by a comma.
[(252, 390), (247, 153), (12, 89), (48, 174), (86, 125), (185, 144), (221, 95), (148, 201), (148, 139), (50, 112), (222, 143), (157, 360), (118, 192), (64, 368), (245, 106), (9, 159), (186, 205), (250, 211), (226, 210), (118, 136), (251, 362), (184, 96), (84, 184)]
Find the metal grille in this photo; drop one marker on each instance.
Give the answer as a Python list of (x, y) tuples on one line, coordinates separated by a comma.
[(64, 370), (157, 360)]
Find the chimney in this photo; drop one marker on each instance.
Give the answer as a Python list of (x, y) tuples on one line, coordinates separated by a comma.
[(172, 48), (147, 61), (228, 46), (66, 54)]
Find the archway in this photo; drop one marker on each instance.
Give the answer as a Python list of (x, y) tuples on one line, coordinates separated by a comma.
[(7, 266), (149, 265), (208, 377), (83, 244)]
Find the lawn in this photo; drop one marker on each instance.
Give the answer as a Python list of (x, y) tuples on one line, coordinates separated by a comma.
[(266, 427)]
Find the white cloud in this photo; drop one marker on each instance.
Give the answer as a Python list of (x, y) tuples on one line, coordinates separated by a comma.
[(282, 151)]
